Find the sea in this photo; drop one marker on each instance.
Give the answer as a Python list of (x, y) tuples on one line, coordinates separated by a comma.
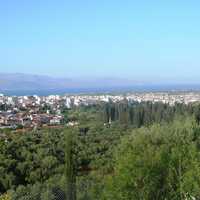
[(70, 91)]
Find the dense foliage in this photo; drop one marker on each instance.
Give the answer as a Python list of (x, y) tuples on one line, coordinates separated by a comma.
[(118, 151), (144, 113), (161, 162)]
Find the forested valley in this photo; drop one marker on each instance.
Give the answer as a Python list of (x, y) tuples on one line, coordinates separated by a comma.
[(121, 151)]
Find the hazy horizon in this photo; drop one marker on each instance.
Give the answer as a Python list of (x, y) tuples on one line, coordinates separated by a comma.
[(26, 84), (142, 41), (136, 80)]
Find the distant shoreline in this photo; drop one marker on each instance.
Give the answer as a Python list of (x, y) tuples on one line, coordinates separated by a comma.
[(115, 90)]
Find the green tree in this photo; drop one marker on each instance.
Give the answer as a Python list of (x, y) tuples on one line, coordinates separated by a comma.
[(70, 165), (160, 163)]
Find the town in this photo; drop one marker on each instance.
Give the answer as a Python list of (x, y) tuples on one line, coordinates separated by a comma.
[(39, 111)]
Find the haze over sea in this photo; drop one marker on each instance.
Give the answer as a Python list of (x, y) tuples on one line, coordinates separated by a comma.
[(142, 88), (143, 40), (156, 42)]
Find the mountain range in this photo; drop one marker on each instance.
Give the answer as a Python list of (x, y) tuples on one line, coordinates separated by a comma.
[(22, 84), (28, 82)]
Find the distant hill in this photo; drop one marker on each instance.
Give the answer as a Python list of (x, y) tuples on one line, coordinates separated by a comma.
[(20, 81), (27, 84), (32, 82)]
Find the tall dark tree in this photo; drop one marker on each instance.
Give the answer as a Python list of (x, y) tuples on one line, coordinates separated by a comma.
[(70, 165), (197, 114)]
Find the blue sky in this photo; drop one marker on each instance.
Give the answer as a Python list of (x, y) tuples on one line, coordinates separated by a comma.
[(141, 40)]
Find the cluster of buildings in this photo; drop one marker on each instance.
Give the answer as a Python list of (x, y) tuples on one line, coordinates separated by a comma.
[(166, 97), (34, 111), (29, 112)]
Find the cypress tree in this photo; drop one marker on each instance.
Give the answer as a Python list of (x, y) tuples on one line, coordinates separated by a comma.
[(70, 167)]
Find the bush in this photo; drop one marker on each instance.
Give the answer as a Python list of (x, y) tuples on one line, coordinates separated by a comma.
[(160, 163)]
